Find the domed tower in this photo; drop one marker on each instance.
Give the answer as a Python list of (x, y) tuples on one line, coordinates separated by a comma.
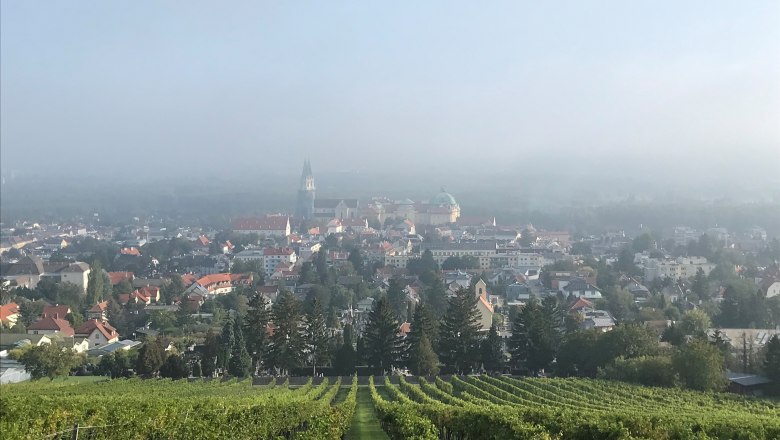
[(447, 202), (305, 206)]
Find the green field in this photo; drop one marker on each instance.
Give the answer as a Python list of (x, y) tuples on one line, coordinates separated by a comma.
[(457, 408)]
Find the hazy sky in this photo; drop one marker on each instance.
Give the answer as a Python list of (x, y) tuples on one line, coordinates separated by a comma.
[(198, 88)]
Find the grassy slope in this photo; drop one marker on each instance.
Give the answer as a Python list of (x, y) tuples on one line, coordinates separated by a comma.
[(365, 425)]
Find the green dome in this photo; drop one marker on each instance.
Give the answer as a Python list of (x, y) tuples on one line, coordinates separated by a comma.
[(444, 198)]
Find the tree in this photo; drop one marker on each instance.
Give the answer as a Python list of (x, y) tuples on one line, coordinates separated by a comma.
[(419, 266), (397, 299), (118, 364), (435, 298), (287, 344), (150, 358), (316, 337), (357, 260), (534, 337), (382, 341), (581, 248), (175, 367), (700, 366), (227, 339), (196, 370), (422, 325), (620, 303), (95, 287), (424, 361), (459, 336), (255, 328), (30, 311), (210, 354), (492, 353), (695, 323), (772, 361), (346, 358), (642, 242), (172, 289), (124, 286), (700, 285), (48, 360), (240, 362)]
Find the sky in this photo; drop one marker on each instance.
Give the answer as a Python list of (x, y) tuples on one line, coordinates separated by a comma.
[(191, 88)]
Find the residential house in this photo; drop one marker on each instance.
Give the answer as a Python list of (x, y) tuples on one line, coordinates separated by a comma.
[(366, 304), (218, 283), (97, 333), (98, 311), (49, 325), (118, 277), (579, 288), (9, 314)]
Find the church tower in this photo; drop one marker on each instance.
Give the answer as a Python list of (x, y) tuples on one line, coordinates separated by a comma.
[(305, 206)]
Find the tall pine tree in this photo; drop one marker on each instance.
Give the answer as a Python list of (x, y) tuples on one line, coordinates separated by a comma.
[(240, 362), (492, 353), (397, 299), (346, 357), (459, 335), (435, 298), (287, 344), (210, 354), (226, 340), (95, 284), (382, 339), (535, 336), (255, 329), (422, 324), (316, 337)]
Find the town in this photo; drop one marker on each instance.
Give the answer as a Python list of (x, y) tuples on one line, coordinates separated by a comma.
[(346, 285)]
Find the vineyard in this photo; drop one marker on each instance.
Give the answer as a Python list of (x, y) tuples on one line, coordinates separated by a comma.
[(454, 408), (165, 409)]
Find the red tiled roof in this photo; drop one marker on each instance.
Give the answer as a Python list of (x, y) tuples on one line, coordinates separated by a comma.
[(267, 223), (486, 303), (405, 328), (105, 329), (7, 310), (117, 277), (211, 281), (202, 241), (99, 307), (59, 311), (580, 304), (130, 251), (188, 279), (49, 322)]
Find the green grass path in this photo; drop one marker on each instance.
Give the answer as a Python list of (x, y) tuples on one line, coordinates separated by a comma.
[(365, 425)]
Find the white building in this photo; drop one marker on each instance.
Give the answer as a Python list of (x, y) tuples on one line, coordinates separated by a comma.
[(272, 257), (682, 267)]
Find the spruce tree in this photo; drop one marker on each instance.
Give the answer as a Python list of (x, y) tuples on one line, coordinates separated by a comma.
[(459, 335), (226, 341), (255, 329), (535, 336), (397, 298), (196, 370), (382, 338), (425, 362), (435, 298), (345, 359), (210, 354), (422, 324), (287, 344), (240, 362), (316, 337), (492, 353), (772, 362)]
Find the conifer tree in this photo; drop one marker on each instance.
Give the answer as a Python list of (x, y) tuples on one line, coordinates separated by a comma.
[(287, 344), (316, 337), (435, 298), (210, 354), (382, 339), (459, 335), (397, 298), (255, 329), (151, 357), (345, 359), (226, 341), (424, 359), (492, 353), (95, 284), (422, 324), (240, 362)]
